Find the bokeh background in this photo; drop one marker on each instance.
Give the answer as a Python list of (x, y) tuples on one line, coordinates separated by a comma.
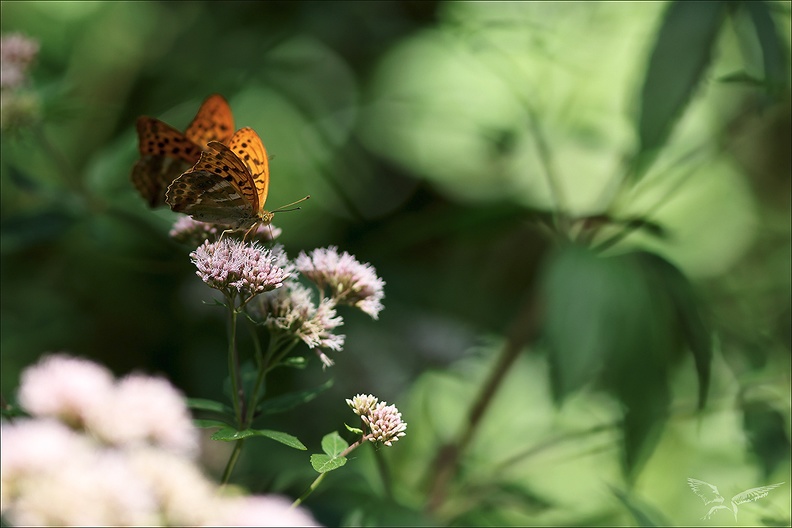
[(455, 146)]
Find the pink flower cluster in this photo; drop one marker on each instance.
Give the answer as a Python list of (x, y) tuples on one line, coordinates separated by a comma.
[(194, 233), (347, 280), (235, 266), (17, 52), (103, 452), (383, 421)]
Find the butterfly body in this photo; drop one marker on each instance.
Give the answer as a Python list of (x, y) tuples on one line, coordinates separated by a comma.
[(228, 185), (165, 153)]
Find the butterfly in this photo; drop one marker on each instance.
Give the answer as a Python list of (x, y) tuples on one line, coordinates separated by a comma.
[(228, 185), (165, 153)]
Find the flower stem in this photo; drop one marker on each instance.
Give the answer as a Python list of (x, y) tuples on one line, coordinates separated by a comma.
[(447, 459), (232, 461)]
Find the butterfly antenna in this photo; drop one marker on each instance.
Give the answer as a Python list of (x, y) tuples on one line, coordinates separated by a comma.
[(282, 209)]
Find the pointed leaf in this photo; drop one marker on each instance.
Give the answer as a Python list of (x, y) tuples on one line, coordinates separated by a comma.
[(229, 434), (775, 58), (206, 424), (291, 400), (201, 404), (353, 430), (681, 55)]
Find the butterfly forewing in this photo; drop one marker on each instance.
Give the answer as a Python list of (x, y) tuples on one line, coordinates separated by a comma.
[(213, 122), (247, 146)]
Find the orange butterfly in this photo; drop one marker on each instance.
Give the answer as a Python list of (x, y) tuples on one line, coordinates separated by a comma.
[(228, 186), (165, 152)]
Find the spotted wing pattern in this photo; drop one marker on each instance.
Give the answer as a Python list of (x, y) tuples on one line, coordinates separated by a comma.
[(213, 122), (165, 153), (247, 146), (219, 189)]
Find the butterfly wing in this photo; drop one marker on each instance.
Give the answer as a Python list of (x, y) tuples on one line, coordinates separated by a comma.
[(213, 122), (754, 494), (164, 154), (247, 146), (219, 189)]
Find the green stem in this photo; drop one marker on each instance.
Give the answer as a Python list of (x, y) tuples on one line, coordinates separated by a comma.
[(318, 480), (232, 462)]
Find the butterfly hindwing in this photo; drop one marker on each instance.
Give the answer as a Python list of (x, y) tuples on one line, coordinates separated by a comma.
[(164, 154), (218, 189)]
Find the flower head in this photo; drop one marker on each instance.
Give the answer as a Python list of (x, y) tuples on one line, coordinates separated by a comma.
[(362, 404), (385, 424), (193, 232), (235, 266), (383, 421), (348, 281), (292, 309), (17, 52)]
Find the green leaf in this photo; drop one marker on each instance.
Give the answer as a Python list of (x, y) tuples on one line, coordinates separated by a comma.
[(695, 332), (681, 55), (291, 400), (774, 54), (765, 428), (205, 424), (610, 321), (333, 444), (644, 514), (325, 463), (229, 434), (201, 404), (353, 430)]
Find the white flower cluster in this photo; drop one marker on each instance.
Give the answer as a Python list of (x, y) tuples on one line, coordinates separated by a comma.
[(103, 452)]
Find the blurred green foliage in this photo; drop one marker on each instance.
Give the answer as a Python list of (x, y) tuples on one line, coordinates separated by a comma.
[(626, 164)]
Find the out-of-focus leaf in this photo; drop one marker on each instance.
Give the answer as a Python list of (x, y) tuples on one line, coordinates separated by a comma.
[(681, 54), (611, 321), (764, 426), (578, 289), (229, 434), (644, 514), (202, 404), (207, 424), (695, 333), (289, 401), (774, 54), (28, 229)]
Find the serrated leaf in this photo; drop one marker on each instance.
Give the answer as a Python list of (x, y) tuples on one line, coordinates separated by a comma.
[(291, 400), (229, 434), (681, 54), (326, 463), (333, 444), (201, 404)]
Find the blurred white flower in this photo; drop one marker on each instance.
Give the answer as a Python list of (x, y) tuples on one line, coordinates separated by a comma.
[(145, 409), (64, 387), (262, 511)]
